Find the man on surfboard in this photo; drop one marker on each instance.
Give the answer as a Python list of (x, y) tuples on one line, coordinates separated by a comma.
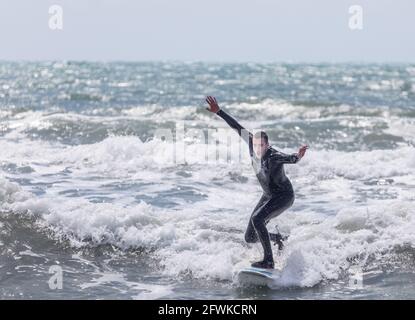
[(278, 193)]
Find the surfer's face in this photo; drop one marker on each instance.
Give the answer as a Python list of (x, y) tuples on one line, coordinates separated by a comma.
[(260, 147)]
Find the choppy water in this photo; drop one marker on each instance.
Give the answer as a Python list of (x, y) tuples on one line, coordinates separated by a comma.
[(84, 184)]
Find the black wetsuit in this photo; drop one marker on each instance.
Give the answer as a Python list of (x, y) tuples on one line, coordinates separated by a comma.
[(278, 193)]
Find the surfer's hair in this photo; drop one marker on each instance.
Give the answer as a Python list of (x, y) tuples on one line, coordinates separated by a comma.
[(262, 135)]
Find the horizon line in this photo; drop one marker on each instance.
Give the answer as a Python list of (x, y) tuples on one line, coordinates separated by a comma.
[(185, 61)]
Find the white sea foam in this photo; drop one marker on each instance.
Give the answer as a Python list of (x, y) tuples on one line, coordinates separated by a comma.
[(204, 239), (137, 290), (348, 204)]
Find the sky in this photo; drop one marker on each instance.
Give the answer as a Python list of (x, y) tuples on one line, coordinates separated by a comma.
[(209, 30)]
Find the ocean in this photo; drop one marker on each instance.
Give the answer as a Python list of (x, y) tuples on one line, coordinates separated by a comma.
[(115, 183)]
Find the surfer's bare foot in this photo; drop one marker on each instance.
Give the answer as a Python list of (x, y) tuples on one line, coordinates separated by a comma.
[(263, 264)]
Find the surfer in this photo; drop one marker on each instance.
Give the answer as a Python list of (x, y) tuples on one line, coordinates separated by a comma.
[(278, 193)]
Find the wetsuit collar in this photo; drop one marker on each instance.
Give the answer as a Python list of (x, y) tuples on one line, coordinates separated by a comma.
[(267, 153)]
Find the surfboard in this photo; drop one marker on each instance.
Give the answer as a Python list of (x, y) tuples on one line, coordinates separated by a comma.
[(258, 276)]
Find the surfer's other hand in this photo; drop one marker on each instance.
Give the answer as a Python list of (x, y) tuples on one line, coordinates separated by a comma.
[(213, 104), (302, 150)]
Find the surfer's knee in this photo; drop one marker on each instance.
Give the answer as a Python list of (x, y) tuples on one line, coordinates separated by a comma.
[(292, 200), (249, 238), (257, 221)]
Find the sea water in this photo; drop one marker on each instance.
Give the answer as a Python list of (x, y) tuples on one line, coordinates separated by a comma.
[(88, 187)]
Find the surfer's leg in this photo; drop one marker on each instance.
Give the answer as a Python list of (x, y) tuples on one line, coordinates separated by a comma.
[(272, 208), (277, 238), (250, 234)]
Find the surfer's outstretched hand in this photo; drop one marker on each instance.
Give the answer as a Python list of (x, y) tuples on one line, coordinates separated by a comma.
[(213, 104), (302, 150)]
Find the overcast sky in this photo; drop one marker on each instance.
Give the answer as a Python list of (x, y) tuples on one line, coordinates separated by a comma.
[(209, 30)]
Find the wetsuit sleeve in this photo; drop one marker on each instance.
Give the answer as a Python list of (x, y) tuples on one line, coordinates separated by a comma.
[(243, 133), (280, 157)]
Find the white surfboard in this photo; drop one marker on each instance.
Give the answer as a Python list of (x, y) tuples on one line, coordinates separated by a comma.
[(258, 276)]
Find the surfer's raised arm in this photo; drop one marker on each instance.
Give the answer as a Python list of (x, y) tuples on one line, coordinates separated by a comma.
[(214, 107)]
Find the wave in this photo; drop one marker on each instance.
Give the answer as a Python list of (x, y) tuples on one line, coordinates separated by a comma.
[(205, 239), (339, 127)]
